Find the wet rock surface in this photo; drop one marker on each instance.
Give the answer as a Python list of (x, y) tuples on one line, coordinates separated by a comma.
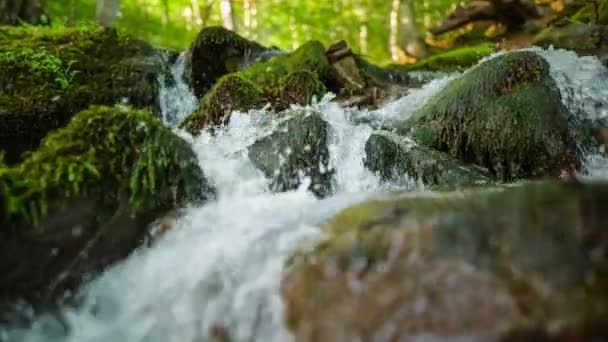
[(491, 264)]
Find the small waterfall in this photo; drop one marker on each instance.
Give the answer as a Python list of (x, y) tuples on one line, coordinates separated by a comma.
[(221, 263), (176, 99)]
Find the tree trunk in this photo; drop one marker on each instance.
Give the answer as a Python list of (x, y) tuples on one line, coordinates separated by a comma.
[(107, 12), (227, 12), (410, 39), (13, 12)]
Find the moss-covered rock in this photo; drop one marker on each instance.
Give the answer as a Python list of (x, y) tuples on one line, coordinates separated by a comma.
[(301, 87), (85, 198), (526, 260), (215, 52), (47, 75), (298, 148), (231, 93), (585, 40), (505, 114), (392, 156), (308, 57)]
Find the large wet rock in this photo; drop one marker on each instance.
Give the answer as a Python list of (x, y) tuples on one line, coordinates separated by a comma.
[(85, 198), (522, 262), (217, 51), (505, 114), (585, 40), (297, 149), (394, 157), (48, 75)]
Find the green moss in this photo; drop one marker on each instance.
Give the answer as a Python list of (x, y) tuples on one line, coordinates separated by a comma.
[(102, 153), (49, 74), (581, 38), (231, 93), (454, 60), (301, 87), (505, 114), (308, 57)]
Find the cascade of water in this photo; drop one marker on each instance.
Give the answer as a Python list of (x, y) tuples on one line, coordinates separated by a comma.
[(222, 261), (176, 99)]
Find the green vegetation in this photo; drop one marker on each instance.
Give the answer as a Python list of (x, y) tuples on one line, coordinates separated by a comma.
[(102, 153), (454, 60), (48, 74), (310, 57)]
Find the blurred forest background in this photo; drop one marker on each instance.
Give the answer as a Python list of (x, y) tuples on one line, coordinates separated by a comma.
[(383, 30)]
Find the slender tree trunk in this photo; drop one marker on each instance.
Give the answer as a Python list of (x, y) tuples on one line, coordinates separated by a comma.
[(227, 13), (166, 12), (13, 12), (410, 39), (107, 12)]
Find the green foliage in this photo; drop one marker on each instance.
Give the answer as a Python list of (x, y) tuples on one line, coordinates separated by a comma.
[(364, 24), (455, 60), (41, 64), (102, 153)]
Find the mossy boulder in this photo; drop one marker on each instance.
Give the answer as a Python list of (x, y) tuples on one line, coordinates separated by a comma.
[(585, 40), (505, 114), (297, 149), (269, 75), (85, 198), (47, 75), (231, 93), (392, 157), (508, 263), (301, 88), (216, 52)]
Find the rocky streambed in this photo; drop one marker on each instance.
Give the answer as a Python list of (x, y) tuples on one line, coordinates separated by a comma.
[(239, 192)]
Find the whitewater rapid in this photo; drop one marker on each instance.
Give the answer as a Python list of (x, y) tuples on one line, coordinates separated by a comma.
[(221, 262)]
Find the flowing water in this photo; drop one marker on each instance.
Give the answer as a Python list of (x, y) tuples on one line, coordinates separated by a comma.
[(222, 261)]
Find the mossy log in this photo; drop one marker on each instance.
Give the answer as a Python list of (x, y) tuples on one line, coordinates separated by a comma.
[(511, 263), (47, 75), (298, 148), (85, 198), (393, 157), (505, 114)]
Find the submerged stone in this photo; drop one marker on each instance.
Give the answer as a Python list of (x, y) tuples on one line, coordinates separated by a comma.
[(505, 114), (297, 149), (394, 157), (86, 197), (47, 75), (512, 262)]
